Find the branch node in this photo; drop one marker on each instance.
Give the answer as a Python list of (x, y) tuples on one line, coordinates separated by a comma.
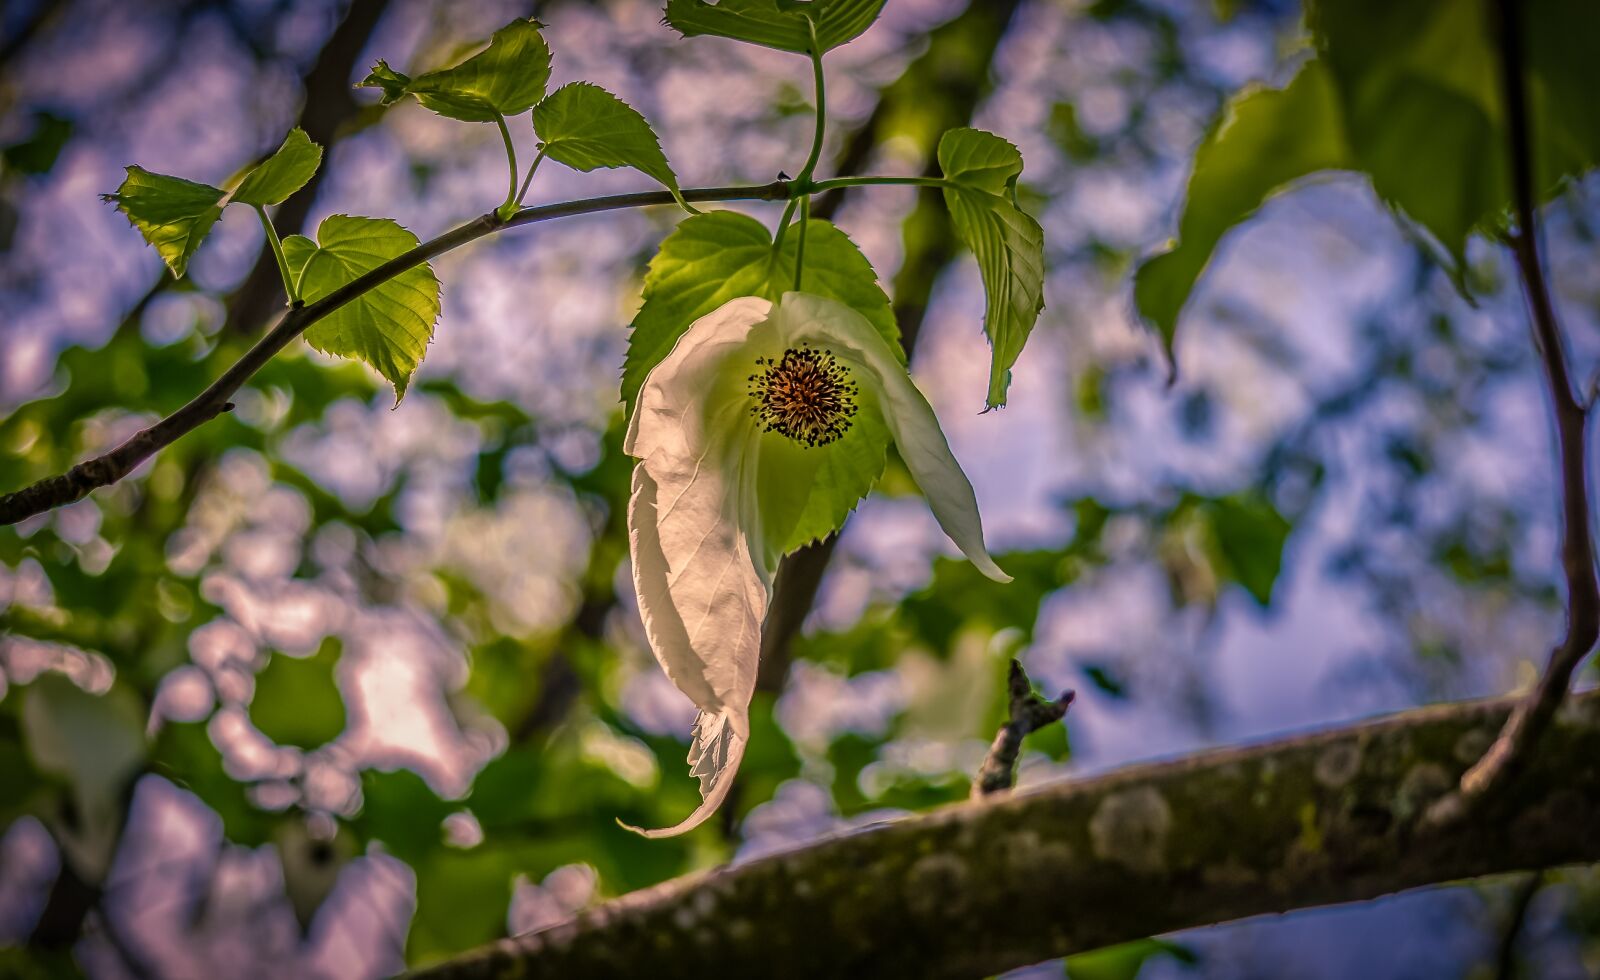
[(1029, 713), (1591, 392)]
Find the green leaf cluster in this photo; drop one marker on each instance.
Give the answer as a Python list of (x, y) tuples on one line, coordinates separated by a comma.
[(1408, 95), (175, 215), (580, 124)]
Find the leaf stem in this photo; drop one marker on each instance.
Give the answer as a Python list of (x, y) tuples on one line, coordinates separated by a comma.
[(827, 185), (803, 183), (532, 168), (290, 289), (783, 224), (804, 180), (800, 245), (505, 210)]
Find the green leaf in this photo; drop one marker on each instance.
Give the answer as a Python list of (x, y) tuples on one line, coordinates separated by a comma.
[(1124, 962), (1008, 244), (96, 743), (1266, 139), (172, 214), (1249, 535), (389, 326), (1418, 89), (775, 23), (585, 127), (715, 257), (1566, 75), (297, 700), (38, 152), (283, 173), (505, 79)]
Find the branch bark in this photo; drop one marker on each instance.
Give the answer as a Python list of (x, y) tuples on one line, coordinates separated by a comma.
[(1510, 752), (986, 886)]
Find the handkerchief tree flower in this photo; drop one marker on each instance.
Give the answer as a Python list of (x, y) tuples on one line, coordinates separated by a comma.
[(764, 379), (736, 431)]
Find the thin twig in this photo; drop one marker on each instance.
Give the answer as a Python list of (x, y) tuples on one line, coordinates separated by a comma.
[(1521, 901), (112, 466), (1029, 713), (1510, 751)]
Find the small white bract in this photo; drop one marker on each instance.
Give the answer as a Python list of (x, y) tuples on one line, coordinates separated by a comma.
[(745, 409)]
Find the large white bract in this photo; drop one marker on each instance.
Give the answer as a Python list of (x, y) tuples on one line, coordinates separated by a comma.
[(740, 413)]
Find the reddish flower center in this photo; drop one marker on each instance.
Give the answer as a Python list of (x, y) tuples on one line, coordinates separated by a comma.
[(806, 395)]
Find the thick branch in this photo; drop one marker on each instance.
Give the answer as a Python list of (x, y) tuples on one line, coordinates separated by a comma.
[(1511, 750), (107, 469), (985, 886)]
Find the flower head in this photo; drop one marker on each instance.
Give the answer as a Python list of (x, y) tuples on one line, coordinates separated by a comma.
[(738, 431)]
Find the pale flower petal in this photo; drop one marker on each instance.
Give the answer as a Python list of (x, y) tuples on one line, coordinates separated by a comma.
[(702, 565), (802, 316), (692, 519)]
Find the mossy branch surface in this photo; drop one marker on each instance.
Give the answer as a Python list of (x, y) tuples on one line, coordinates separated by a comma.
[(989, 885)]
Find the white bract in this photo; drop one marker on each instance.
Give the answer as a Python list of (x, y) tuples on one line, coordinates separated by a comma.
[(733, 430)]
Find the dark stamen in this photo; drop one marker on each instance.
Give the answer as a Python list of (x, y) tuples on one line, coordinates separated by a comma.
[(806, 395)]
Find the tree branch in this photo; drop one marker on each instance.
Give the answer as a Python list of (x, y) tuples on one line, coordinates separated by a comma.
[(112, 466), (989, 885), (1509, 753), (1029, 713)]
